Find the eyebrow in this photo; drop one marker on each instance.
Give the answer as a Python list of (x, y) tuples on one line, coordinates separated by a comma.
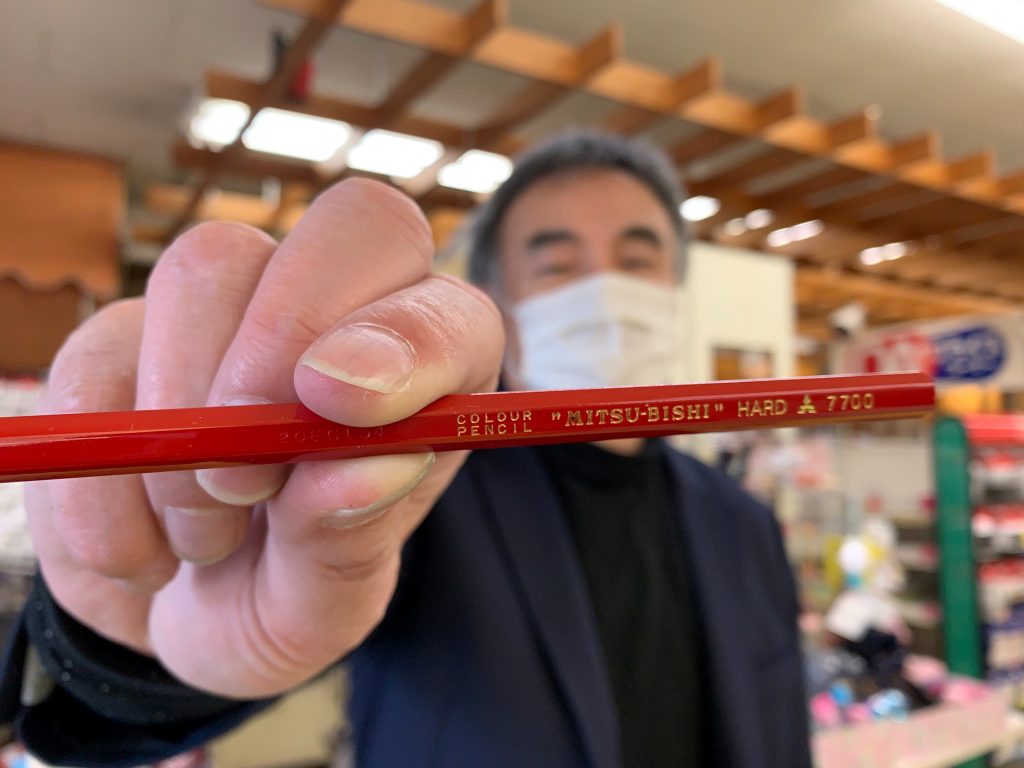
[(549, 237), (641, 232)]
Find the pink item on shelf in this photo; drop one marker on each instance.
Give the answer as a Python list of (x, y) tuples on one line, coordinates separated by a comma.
[(825, 711), (858, 713), (965, 690)]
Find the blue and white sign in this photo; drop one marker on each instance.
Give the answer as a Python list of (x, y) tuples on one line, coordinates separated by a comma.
[(963, 350)]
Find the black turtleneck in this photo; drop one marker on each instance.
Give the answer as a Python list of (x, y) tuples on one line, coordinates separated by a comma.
[(631, 551)]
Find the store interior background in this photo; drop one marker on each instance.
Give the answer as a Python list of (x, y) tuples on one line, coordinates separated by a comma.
[(856, 173)]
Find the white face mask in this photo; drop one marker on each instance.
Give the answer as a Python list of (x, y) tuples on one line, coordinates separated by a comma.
[(605, 330)]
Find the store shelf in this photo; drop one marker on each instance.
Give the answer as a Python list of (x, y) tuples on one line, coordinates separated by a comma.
[(921, 614), (918, 557), (912, 522), (937, 737)]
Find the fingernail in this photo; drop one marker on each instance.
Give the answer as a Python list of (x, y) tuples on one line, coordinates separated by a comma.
[(399, 473), (364, 355), (241, 486), (204, 535)]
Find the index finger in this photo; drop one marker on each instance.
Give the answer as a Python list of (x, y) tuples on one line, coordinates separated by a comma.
[(359, 241)]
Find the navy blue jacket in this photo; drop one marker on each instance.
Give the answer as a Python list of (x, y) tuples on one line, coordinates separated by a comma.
[(489, 654)]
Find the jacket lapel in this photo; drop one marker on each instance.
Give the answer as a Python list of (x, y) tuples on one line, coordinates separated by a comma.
[(528, 520), (713, 545)]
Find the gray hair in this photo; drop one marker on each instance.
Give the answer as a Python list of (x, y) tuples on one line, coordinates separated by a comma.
[(577, 150)]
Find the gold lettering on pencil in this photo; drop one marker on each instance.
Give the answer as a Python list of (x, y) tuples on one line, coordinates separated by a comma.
[(590, 418), (766, 407), (707, 408), (633, 417), (616, 415), (602, 415), (496, 423), (692, 411), (678, 413), (573, 419), (652, 414), (806, 407)]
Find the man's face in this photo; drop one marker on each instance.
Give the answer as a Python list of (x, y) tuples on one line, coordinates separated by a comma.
[(577, 224), (582, 222)]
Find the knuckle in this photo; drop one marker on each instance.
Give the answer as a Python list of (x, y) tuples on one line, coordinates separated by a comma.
[(283, 322), (477, 298), (475, 315), (206, 249), (95, 346), (395, 213), (359, 564), (101, 555)]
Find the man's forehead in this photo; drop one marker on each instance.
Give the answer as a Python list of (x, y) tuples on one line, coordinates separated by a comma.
[(572, 197)]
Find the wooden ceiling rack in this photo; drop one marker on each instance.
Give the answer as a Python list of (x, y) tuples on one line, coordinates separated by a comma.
[(965, 221)]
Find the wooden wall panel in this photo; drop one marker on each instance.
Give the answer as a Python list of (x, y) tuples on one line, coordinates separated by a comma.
[(33, 324), (60, 219)]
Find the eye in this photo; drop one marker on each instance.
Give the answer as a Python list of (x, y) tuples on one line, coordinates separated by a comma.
[(637, 262), (552, 269)]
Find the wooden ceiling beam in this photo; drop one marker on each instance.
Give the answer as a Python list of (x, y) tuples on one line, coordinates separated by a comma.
[(495, 134), (974, 166), (294, 199), (818, 139), (702, 79), (171, 199), (845, 235), (247, 163), (701, 145), (768, 162), (820, 278), (321, 16), (1012, 184), (887, 193), (548, 60), (227, 86), (476, 26), (819, 182)]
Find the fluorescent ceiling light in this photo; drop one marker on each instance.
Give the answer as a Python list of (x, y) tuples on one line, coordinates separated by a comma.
[(476, 171), (699, 207), (888, 252), (394, 154), (794, 234), (295, 135), (217, 122), (758, 219), (1006, 16), (734, 227)]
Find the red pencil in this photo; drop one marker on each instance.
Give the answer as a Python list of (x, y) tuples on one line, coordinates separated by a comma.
[(74, 445)]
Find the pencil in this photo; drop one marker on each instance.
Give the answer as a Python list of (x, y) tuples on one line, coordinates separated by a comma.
[(126, 442)]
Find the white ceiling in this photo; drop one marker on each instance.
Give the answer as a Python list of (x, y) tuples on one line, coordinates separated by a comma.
[(116, 76)]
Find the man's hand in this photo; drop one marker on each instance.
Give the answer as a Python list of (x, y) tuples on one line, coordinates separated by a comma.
[(248, 581)]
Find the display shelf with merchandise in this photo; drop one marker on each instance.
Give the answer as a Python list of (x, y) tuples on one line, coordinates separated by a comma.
[(971, 723)]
